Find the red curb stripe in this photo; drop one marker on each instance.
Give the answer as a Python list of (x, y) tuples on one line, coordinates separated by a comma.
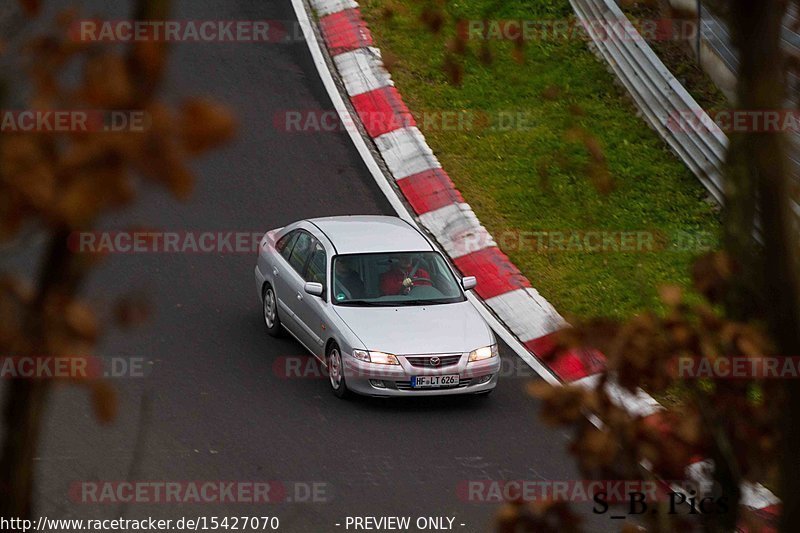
[(495, 272), (543, 347), (569, 365), (771, 510), (766, 520), (429, 190), (382, 111), (345, 31), (573, 365)]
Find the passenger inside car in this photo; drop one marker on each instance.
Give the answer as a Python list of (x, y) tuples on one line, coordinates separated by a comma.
[(348, 282)]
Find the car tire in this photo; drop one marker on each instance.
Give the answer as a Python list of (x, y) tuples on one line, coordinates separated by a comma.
[(269, 310), (336, 378)]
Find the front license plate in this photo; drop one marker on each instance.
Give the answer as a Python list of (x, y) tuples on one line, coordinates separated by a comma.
[(427, 382)]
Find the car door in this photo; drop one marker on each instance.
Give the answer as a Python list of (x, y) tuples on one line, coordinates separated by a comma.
[(311, 309), (289, 282)]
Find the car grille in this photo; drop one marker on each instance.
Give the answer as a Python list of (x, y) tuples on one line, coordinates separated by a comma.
[(425, 362), (406, 385)]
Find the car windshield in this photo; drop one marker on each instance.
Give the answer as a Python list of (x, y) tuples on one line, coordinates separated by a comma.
[(394, 279)]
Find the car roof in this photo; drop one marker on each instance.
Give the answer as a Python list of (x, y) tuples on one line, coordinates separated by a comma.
[(371, 234)]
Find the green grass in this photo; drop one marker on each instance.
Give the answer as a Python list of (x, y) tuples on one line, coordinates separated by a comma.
[(538, 178)]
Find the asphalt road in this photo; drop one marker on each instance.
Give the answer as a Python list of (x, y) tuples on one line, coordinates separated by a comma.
[(213, 407)]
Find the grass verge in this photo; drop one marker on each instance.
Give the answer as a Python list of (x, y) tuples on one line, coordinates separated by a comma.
[(582, 161)]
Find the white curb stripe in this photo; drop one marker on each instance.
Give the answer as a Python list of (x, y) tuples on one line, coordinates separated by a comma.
[(406, 152), (526, 313), (757, 496), (457, 229), (504, 333), (362, 71), (639, 404), (754, 495), (329, 7)]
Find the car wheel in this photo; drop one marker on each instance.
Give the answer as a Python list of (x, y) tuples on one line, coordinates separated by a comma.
[(271, 318), (336, 371)]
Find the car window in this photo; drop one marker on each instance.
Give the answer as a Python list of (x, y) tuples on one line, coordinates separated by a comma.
[(285, 244), (315, 272), (301, 251), (394, 279)]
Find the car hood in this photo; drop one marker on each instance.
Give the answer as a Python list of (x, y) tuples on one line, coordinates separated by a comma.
[(444, 328)]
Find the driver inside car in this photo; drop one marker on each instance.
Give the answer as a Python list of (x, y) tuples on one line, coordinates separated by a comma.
[(403, 276)]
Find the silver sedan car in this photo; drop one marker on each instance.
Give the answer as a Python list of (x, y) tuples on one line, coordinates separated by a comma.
[(377, 304)]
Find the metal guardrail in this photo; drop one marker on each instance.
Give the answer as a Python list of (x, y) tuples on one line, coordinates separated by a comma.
[(660, 97), (663, 101), (715, 35)]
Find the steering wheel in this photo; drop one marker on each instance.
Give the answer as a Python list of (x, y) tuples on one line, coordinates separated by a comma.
[(406, 289)]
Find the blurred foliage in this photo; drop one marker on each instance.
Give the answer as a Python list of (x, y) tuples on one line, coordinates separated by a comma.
[(715, 418), (745, 426), (57, 182)]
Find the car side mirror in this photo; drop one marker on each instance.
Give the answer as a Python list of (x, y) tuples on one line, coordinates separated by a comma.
[(469, 282), (313, 288)]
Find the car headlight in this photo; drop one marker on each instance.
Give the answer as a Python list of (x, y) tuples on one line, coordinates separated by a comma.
[(379, 358), (487, 352)]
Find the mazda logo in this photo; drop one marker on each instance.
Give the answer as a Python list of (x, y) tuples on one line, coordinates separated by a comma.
[(435, 361)]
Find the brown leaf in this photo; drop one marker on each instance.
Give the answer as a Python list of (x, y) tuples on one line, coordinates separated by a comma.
[(671, 295), (80, 202), (433, 19), (390, 60), (107, 82), (689, 428), (711, 274), (551, 92), (457, 45), (205, 124), (66, 17), (600, 176), (104, 402), (660, 444), (593, 147), (30, 7), (507, 517), (149, 60), (575, 134), (595, 449), (753, 342), (541, 389), (453, 70), (81, 319), (576, 110), (132, 310), (485, 55), (560, 405), (180, 179), (387, 13)]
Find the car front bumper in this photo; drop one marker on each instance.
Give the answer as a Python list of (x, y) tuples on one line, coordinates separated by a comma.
[(474, 378)]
